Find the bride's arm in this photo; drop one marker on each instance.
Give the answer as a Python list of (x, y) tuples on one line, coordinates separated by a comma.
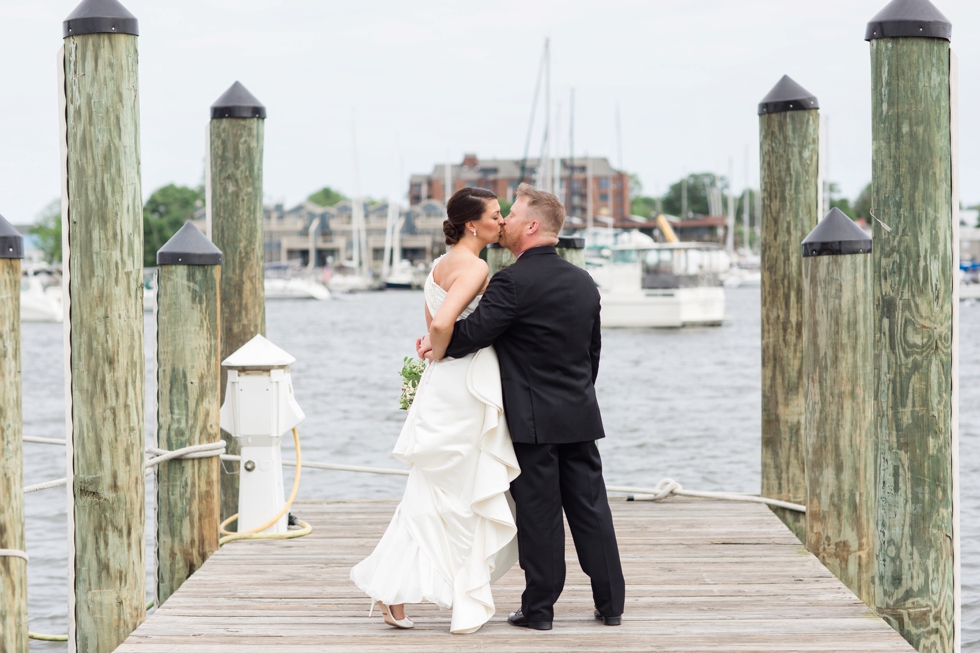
[(466, 286)]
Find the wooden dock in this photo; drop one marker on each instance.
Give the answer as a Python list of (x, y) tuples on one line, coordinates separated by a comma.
[(701, 575)]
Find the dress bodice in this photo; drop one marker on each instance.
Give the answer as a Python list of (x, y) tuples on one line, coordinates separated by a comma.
[(435, 295)]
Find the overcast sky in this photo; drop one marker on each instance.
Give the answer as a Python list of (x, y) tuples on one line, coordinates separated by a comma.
[(423, 81)]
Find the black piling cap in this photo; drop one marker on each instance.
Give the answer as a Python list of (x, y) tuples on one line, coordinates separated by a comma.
[(11, 242), (237, 102), (189, 247), (909, 18), (836, 234), (787, 95), (100, 17)]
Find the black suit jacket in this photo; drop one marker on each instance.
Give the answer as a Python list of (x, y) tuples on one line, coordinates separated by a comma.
[(541, 314)]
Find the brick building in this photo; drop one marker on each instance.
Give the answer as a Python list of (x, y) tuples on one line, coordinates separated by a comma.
[(610, 196)]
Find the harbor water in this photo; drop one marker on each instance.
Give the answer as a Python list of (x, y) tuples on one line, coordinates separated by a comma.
[(683, 404)]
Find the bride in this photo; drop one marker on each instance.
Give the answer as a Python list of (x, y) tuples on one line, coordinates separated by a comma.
[(453, 532)]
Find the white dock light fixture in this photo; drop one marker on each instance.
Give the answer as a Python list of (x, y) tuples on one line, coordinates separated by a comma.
[(259, 409)]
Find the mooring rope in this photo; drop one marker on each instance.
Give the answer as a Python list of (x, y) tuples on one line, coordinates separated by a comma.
[(14, 553), (664, 489), (207, 450)]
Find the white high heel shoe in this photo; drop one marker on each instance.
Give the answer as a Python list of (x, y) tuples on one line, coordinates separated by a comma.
[(405, 623)]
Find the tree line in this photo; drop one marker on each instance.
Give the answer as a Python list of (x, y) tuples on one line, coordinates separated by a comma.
[(699, 187)]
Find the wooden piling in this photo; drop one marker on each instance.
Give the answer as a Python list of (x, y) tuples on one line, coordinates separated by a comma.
[(188, 395), (913, 270), (789, 144), (838, 381), (237, 134), (103, 224), (13, 568)]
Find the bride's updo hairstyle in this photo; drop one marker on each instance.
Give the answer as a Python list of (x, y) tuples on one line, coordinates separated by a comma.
[(466, 205)]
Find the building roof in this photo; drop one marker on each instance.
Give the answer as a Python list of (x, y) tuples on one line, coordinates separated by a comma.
[(511, 169)]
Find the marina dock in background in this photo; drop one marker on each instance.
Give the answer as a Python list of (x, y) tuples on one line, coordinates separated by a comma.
[(701, 575)]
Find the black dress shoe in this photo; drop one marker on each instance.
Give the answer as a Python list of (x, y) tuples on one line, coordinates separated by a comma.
[(518, 619), (609, 621)]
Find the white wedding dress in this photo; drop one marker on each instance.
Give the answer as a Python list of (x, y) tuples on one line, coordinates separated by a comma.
[(453, 533)]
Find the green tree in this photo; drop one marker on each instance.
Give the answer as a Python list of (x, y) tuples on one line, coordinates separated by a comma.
[(697, 193), (47, 230), (505, 207), (836, 201), (326, 196), (164, 214), (643, 206), (862, 205)]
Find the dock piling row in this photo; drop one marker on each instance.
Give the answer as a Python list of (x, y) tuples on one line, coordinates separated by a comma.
[(13, 569), (839, 384), (104, 325), (914, 281), (789, 127), (188, 373)]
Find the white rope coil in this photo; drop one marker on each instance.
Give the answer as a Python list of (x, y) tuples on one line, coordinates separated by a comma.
[(14, 553)]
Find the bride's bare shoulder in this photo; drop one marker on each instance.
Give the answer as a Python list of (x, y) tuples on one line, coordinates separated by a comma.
[(456, 265)]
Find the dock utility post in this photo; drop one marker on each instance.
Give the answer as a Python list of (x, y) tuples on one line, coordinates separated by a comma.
[(13, 561), (236, 136), (789, 126), (914, 271), (188, 401), (839, 381), (259, 408), (103, 268)]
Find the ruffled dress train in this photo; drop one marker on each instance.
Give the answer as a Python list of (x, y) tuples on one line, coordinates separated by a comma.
[(453, 533)]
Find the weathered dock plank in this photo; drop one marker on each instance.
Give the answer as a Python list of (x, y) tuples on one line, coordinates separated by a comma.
[(701, 576)]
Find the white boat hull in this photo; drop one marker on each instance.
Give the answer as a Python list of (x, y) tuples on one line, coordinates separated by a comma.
[(295, 289), (40, 307), (667, 308)]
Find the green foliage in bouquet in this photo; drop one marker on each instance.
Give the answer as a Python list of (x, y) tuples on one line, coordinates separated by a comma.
[(411, 375)]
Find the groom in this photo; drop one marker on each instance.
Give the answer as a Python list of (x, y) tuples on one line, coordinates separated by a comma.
[(541, 314)]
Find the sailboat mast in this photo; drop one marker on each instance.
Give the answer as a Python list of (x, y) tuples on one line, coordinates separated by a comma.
[(355, 232)]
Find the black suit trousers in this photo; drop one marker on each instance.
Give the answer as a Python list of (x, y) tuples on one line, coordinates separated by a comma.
[(569, 476)]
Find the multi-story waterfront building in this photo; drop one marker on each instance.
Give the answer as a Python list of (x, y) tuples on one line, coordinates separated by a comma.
[(287, 232), (607, 203)]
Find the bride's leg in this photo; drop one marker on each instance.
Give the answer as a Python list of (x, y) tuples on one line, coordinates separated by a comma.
[(397, 611)]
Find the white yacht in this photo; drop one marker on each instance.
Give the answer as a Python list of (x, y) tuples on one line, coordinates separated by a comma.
[(661, 284)]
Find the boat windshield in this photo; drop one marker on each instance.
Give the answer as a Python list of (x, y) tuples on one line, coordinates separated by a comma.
[(625, 256)]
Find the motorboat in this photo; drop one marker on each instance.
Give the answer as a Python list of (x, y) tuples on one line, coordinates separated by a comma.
[(295, 288), (661, 284), (40, 297), (291, 281)]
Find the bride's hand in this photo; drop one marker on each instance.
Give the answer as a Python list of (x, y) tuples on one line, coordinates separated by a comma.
[(423, 347)]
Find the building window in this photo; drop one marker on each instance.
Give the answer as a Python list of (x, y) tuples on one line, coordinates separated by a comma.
[(603, 197), (604, 183)]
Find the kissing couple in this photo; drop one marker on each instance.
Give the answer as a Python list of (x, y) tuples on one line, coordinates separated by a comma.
[(501, 436)]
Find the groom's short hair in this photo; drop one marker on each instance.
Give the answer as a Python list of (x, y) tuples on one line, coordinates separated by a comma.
[(546, 207)]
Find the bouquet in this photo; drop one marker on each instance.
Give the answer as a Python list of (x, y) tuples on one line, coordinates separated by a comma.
[(411, 375)]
